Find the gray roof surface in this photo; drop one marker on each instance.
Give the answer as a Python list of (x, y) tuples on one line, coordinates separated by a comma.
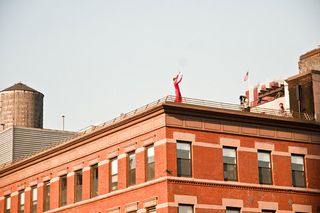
[(20, 86)]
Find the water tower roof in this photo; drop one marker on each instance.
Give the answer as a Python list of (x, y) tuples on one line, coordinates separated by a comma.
[(20, 86)]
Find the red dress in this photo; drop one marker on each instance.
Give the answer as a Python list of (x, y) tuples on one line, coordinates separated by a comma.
[(177, 90)]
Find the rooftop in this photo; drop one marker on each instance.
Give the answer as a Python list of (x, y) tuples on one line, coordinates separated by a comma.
[(20, 86), (191, 103)]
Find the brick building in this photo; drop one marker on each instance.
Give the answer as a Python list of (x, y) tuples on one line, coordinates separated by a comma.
[(196, 156)]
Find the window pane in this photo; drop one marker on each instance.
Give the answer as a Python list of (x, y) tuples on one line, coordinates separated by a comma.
[(232, 210), (265, 175), (185, 209), (150, 171), (34, 199), (46, 193), (132, 169), (78, 186), (63, 190), (298, 178), (297, 159), (229, 152), (183, 150), (114, 174), (230, 171), (94, 180), (184, 168), (150, 154), (114, 167), (7, 203)]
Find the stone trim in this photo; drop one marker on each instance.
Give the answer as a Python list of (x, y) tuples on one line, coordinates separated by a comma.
[(160, 142), (70, 174), (86, 168), (14, 193), (301, 208), (268, 205), (141, 211), (246, 209), (93, 161), (39, 185), (122, 156), (166, 205), (185, 199), (230, 142), (27, 189), (113, 154), (278, 153), (150, 202), (232, 202), (264, 146), (247, 149), (32, 183), (298, 150), (114, 210), (6, 193), (184, 136), (131, 207), (140, 149), (209, 206), (46, 178), (55, 179), (104, 162), (63, 172), (77, 167)]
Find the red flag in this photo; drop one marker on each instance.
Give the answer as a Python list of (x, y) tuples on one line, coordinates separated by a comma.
[(246, 76)]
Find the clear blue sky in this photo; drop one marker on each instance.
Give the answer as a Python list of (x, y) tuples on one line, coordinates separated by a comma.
[(96, 59)]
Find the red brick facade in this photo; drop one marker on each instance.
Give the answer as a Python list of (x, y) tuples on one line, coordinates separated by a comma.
[(208, 130)]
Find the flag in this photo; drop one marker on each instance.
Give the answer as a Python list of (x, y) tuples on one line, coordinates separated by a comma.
[(246, 76)]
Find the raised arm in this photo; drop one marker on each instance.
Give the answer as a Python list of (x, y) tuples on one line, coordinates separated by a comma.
[(180, 78)]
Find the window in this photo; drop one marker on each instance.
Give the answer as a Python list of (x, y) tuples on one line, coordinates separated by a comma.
[(151, 209), (7, 204), (185, 209), (297, 166), (63, 190), (94, 180), (150, 163), (78, 185), (264, 167), (114, 174), (34, 199), (232, 210), (184, 159), (229, 163), (46, 196), (268, 211), (21, 201), (131, 168)]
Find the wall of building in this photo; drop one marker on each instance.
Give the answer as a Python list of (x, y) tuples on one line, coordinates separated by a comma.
[(206, 190)]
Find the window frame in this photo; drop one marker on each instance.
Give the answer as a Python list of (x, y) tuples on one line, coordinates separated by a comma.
[(235, 165), (233, 209), (21, 194), (190, 159), (78, 194), (111, 175), (269, 168), (34, 202), (149, 166), (132, 177), (188, 205), (94, 181), (46, 195), (63, 194), (303, 172), (6, 199)]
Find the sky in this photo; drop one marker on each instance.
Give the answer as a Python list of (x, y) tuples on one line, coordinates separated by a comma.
[(94, 60)]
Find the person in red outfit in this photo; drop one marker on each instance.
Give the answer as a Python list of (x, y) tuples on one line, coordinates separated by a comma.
[(176, 82)]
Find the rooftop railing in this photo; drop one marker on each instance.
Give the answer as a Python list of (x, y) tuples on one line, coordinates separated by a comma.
[(172, 99)]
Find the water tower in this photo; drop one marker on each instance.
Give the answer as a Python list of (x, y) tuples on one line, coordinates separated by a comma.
[(21, 106)]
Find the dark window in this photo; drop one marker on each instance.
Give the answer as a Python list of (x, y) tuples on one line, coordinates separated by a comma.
[(151, 209), (7, 204), (78, 185), (184, 159), (297, 166), (114, 174), (264, 167), (268, 211), (46, 196), (229, 164), (131, 168), (150, 163), (232, 210), (185, 209), (21, 201), (63, 190), (34, 199), (94, 180)]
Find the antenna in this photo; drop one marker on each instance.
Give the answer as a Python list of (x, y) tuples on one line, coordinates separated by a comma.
[(63, 122)]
